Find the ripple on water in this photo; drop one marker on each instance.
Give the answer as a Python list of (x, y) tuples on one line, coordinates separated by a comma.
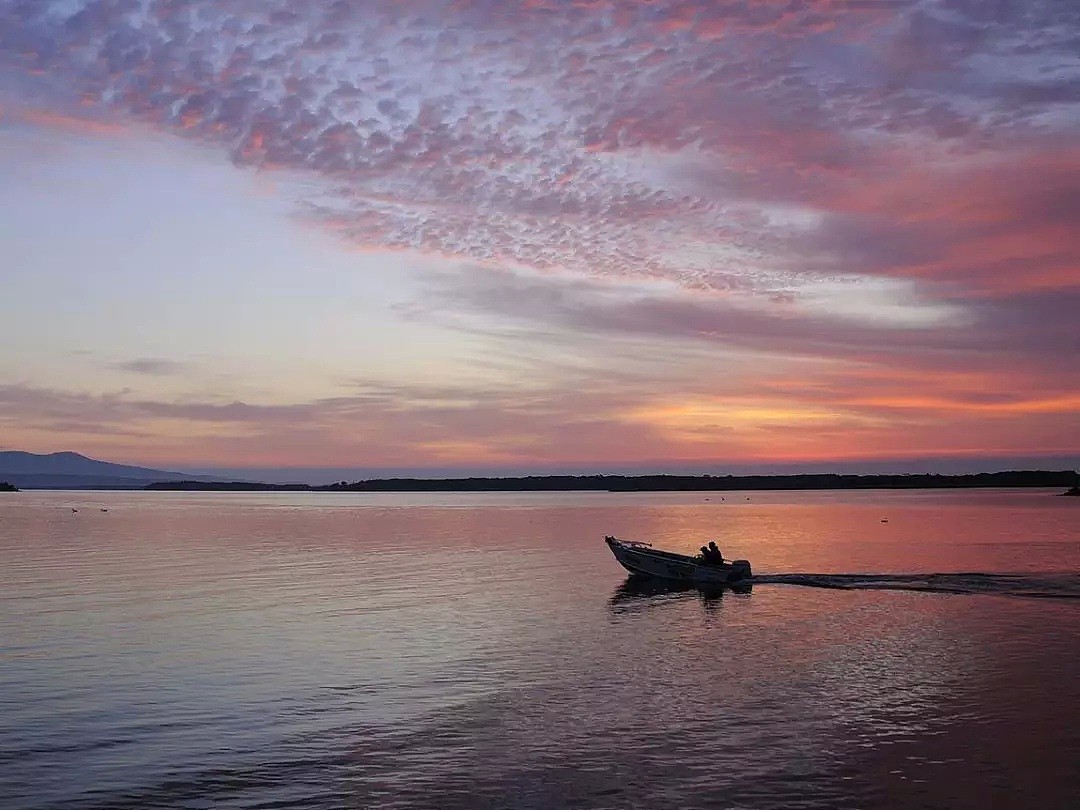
[(253, 652)]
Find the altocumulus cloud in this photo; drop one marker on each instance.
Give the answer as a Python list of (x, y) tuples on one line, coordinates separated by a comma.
[(577, 135)]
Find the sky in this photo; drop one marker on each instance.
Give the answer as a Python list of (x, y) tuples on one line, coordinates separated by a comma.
[(541, 235)]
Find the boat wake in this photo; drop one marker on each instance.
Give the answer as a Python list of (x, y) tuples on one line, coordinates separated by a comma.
[(1046, 586)]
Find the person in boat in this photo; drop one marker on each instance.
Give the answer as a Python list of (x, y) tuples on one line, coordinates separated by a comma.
[(714, 556)]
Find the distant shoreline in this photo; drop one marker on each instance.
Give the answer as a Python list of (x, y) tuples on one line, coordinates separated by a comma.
[(650, 483)]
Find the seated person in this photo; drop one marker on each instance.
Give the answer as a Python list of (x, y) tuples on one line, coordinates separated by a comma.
[(714, 556)]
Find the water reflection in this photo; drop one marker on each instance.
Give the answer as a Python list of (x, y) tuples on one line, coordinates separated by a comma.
[(636, 592), (292, 649)]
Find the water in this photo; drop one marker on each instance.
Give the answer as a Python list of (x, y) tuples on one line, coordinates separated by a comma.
[(449, 650)]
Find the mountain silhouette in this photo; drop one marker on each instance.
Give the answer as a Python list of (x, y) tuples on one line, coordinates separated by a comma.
[(70, 470)]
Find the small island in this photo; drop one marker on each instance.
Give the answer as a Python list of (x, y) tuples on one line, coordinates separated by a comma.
[(6, 487)]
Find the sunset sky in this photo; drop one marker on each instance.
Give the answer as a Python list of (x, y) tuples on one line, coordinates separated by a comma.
[(513, 236)]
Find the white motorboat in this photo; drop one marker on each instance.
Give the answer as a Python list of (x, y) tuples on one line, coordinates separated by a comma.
[(642, 559)]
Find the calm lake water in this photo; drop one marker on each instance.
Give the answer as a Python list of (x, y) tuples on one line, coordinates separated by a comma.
[(450, 650)]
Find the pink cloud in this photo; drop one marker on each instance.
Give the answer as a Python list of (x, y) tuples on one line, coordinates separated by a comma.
[(746, 152), (71, 123), (998, 227), (422, 102)]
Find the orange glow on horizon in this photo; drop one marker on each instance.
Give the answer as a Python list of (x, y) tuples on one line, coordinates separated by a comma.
[(1062, 404)]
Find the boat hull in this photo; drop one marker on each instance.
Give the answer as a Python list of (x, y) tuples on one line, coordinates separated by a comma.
[(643, 560)]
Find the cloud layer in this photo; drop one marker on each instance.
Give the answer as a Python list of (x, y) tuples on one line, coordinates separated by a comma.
[(880, 185), (616, 138)]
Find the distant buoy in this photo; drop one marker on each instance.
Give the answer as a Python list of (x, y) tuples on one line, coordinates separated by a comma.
[(73, 509), (103, 509), (884, 520)]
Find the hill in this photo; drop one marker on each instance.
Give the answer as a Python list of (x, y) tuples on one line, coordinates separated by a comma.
[(75, 471)]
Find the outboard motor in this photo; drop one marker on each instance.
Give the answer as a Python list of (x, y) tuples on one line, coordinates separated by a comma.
[(740, 570)]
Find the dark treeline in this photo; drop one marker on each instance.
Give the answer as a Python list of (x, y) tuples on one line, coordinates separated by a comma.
[(6, 487), (712, 483), (657, 483)]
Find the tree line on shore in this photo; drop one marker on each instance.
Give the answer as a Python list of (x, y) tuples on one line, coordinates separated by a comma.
[(653, 483)]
